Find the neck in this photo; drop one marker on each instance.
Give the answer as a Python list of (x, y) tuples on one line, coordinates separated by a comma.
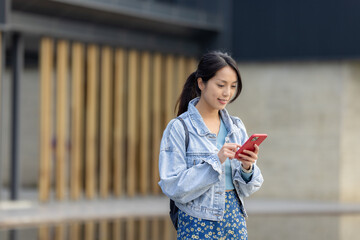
[(206, 112)]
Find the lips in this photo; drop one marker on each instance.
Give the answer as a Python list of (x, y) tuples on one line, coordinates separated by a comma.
[(222, 101)]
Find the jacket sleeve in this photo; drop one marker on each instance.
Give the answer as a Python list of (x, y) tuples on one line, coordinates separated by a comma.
[(178, 182), (246, 188)]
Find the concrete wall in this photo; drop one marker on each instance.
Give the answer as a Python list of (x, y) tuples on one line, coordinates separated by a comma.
[(294, 227), (310, 111)]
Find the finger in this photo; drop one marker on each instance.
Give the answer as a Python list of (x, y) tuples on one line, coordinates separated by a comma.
[(257, 148), (232, 147), (233, 144), (229, 153), (251, 154), (247, 158)]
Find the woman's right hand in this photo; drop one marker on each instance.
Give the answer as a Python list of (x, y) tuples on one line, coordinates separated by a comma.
[(228, 151)]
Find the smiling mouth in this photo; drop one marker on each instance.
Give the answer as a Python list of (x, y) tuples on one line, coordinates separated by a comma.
[(222, 101)]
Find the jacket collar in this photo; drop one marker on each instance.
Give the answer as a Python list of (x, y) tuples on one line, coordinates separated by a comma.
[(198, 122)]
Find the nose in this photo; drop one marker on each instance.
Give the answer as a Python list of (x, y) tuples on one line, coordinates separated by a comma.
[(226, 91)]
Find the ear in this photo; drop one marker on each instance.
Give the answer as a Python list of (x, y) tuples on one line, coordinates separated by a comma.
[(201, 84)]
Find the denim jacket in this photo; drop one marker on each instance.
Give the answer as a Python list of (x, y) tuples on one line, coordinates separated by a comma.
[(195, 179)]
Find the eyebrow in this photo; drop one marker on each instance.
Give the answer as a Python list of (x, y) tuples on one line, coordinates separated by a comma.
[(226, 81)]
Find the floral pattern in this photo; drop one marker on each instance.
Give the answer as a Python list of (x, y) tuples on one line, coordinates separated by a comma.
[(232, 226)]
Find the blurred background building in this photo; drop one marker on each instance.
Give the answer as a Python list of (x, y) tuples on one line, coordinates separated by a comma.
[(87, 87)]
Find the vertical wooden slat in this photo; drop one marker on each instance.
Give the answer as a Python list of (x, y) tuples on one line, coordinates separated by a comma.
[(168, 231), (117, 230), (118, 122), (60, 232), (156, 125), (89, 233), (75, 231), (104, 230), (132, 123), (181, 78), (192, 65), (44, 232), (143, 229), (130, 228), (106, 109), (155, 228), (182, 74), (46, 68), (168, 90), (144, 123), (77, 120), (91, 120), (61, 116)]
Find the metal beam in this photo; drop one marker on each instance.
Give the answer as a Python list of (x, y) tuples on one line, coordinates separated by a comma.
[(4, 11), (2, 69), (17, 69), (140, 13), (92, 33)]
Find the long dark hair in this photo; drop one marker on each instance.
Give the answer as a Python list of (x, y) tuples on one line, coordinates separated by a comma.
[(209, 64)]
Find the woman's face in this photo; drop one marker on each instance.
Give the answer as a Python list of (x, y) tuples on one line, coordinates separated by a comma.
[(218, 91)]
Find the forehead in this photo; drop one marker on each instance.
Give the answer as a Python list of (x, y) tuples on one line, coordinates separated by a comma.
[(226, 74)]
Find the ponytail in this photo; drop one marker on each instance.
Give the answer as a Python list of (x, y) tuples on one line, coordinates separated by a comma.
[(189, 92)]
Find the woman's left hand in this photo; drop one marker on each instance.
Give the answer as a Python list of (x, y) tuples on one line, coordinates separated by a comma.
[(248, 159)]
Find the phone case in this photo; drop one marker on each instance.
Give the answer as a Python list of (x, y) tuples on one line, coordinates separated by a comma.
[(249, 144)]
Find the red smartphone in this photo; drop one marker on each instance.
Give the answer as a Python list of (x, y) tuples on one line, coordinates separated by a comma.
[(249, 144)]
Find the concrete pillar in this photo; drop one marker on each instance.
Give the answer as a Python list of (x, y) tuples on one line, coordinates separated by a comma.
[(349, 161)]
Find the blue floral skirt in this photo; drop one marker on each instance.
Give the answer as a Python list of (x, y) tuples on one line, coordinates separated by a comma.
[(232, 226)]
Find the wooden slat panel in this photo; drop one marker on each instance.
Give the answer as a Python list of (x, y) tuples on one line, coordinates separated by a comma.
[(156, 126), (89, 233), (46, 68), (144, 123), (132, 123), (118, 122), (169, 94), (106, 109), (91, 120), (77, 120)]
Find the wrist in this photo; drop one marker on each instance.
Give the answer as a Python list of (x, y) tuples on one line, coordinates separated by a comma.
[(247, 169)]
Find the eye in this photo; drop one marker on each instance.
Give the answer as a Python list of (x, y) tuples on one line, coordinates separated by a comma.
[(234, 86), (220, 85)]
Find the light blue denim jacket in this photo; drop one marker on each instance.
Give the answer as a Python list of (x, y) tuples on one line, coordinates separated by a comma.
[(195, 179)]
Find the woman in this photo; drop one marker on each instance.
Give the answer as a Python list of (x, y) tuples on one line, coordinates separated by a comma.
[(205, 180)]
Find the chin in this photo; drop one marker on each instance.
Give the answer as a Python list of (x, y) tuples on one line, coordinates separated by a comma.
[(221, 107)]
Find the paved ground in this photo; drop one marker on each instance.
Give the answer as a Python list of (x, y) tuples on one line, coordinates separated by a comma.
[(26, 213), (31, 213)]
